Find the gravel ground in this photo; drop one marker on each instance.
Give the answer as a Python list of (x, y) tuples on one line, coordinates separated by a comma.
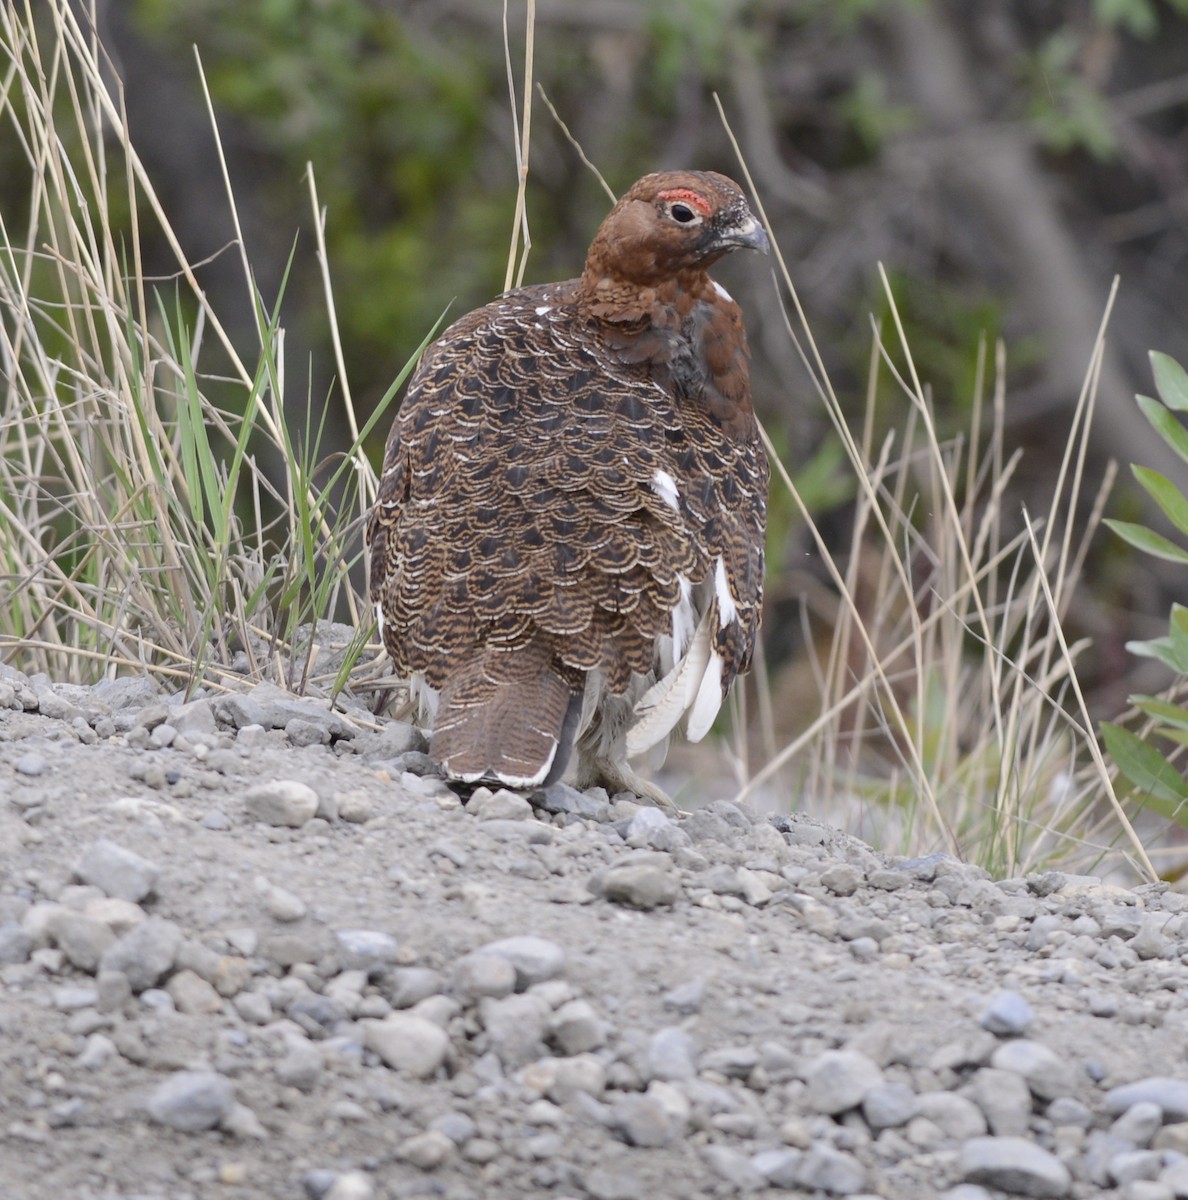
[(248, 949)]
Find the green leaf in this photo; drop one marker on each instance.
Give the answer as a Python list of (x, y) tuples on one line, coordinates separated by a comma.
[(1160, 786), (1162, 710), (1171, 380), (1161, 649), (1148, 541), (1165, 424), (1165, 494)]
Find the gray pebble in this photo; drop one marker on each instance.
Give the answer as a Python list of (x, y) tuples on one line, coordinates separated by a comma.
[(367, 950), (644, 823), (407, 1043), (1139, 1123), (426, 1151), (686, 999), (191, 994), (1142, 1189), (614, 1182), (1067, 1110), (301, 1067), (32, 764), (889, 1105), (954, 1115), (778, 1167), (576, 1028), (643, 882), (477, 975), (1150, 941), (1133, 1165), (191, 1101), (735, 1167), (351, 1185), (842, 879), (15, 944), (582, 1074), (671, 1055), (561, 798), (1171, 1095), (282, 802), (641, 1119), (1007, 1015), (838, 1080), (828, 1170), (1004, 1098), (1047, 1074), (1015, 1165), (405, 986), (515, 1028), (83, 939), (457, 1126), (502, 805), (535, 959), (145, 953)]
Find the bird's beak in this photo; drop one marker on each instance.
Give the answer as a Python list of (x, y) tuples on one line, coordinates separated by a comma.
[(748, 235)]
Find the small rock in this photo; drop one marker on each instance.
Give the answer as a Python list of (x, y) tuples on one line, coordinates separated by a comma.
[(1015, 1165), (406, 986), (116, 871), (583, 1074), (828, 1170), (242, 1123), (1047, 1074), (1170, 1094), (576, 1028), (614, 1182), (426, 1151), (842, 879), (889, 1105), (671, 1055), (366, 950), (301, 1067), (280, 904), (1007, 1015), (515, 1028), (283, 802), (686, 999), (191, 1101), (32, 764), (15, 944), (407, 1043), (1004, 1098), (734, 1167), (535, 959), (191, 994), (778, 1167), (954, 1115), (478, 975), (1139, 1123), (144, 954), (1134, 1165), (83, 939), (838, 1080), (641, 1119), (502, 805), (645, 882), (351, 1185)]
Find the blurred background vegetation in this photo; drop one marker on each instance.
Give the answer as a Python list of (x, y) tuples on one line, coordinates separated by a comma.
[(1003, 160)]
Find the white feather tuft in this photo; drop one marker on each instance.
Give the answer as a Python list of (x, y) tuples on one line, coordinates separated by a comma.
[(379, 618), (709, 699), (662, 706), (721, 291), (665, 487), (727, 608)]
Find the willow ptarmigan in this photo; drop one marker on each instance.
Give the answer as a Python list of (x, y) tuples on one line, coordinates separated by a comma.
[(567, 545)]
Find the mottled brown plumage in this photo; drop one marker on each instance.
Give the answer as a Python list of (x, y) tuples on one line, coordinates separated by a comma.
[(567, 546)]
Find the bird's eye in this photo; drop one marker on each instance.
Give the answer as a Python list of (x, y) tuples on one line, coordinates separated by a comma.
[(682, 213)]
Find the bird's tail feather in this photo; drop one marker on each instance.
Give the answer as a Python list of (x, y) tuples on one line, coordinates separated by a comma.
[(507, 715)]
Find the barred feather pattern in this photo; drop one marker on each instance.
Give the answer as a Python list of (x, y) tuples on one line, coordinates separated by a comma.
[(573, 500)]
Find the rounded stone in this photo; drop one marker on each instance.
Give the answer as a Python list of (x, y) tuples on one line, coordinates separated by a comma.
[(1171, 1095), (476, 976), (1139, 1123), (671, 1055), (1007, 1015), (191, 1101), (117, 871), (426, 1151), (644, 883), (889, 1105), (1014, 1165), (144, 954), (825, 1169), (1047, 1074), (282, 802), (407, 1043), (576, 1028), (535, 959), (838, 1080)]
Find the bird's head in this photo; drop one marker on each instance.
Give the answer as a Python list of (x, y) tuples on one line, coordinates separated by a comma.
[(670, 223)]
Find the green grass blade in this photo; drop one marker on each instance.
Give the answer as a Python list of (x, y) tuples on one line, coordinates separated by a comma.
[(1159, 785)]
